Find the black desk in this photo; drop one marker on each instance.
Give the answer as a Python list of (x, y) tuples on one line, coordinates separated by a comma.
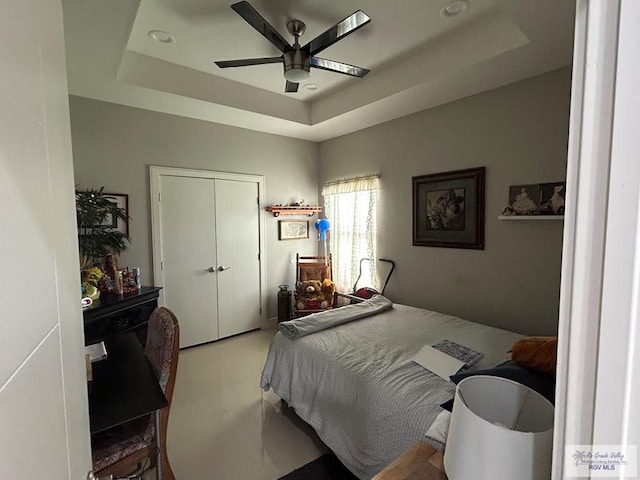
[(124, 386), (112, 314)]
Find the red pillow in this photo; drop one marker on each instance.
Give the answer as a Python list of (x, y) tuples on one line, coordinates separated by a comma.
[(536, 353)]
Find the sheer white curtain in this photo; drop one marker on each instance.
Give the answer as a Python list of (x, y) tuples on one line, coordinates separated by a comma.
[(350, 205)]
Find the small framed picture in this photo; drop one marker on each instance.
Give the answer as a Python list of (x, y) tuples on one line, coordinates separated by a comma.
[(552, 198), (525, 199), (122, 201), (293, 229)]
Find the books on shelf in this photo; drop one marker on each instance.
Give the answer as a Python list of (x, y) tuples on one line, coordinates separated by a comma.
[(446, 358)]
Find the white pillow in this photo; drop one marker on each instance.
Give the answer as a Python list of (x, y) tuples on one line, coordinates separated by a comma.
[(436, 436)]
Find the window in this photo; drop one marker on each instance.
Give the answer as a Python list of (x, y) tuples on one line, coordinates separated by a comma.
[(350, 206)]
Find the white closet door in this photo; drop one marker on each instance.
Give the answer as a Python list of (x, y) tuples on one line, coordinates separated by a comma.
[(238, 246), (188, 240)]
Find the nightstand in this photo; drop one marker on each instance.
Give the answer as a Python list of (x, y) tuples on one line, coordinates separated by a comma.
[(422, 462)]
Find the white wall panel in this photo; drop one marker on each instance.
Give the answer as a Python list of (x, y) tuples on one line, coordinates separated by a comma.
[(36, 446), (63, 234), (43, 396), (27, 223), (21, 79)]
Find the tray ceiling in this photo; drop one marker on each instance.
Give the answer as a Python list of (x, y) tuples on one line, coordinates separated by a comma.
[(418, 58)]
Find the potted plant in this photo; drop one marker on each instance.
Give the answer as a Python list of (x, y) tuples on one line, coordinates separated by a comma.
[(95, 240)]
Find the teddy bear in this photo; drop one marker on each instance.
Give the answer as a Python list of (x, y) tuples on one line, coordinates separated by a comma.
[(309, 296), (328, 288), (313, 295)]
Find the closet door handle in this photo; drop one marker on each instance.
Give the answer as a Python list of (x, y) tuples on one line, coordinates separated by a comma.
[(222, 269), (211, 269)]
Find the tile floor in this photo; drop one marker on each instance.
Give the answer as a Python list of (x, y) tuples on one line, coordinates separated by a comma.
[(222, 426)]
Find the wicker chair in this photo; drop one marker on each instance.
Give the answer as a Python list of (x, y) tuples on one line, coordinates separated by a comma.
[(124, 449)]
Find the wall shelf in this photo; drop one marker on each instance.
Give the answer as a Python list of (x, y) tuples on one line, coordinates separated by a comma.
[(530, 217), (308, 210)]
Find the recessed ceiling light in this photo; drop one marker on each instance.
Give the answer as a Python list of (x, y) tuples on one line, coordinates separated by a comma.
[(160, 36), (456, 7), (312, 86)]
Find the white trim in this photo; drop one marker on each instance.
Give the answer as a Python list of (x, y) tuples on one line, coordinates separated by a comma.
[(615, 414), (596, 226), (569, 239), (155, 172), (530, 217), (189, 172)]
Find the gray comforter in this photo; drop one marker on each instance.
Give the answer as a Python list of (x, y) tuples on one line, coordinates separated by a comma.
[(356, 385)]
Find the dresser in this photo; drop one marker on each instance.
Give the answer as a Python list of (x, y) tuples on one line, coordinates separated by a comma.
[(112, 314)]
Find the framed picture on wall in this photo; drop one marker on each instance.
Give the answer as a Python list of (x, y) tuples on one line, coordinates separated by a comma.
[(122, 201), (552, 198), (536, 199), (293, 229), (525, 199), (448, 209)]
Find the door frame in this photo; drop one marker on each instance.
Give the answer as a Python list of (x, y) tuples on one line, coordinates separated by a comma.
[(597, 380), (155, 172)]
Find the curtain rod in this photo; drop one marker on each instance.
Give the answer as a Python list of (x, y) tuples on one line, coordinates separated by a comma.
[(351, 179)]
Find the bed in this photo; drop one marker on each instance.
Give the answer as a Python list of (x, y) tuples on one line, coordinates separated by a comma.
[(357, 386)]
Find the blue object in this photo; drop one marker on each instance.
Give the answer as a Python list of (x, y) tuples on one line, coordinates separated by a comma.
[(323, 226)]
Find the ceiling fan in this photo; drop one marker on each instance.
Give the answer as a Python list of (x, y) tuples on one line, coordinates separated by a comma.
[(297, 60)]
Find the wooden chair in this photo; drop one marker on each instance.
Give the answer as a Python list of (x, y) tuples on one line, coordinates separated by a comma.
[(312, 268), (123, 449)]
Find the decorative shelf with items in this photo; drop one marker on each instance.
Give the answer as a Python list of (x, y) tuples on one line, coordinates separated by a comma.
[(542, 201), (308, 210)]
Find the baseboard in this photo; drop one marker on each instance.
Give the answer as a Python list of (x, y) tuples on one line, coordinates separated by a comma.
[(270, 323)]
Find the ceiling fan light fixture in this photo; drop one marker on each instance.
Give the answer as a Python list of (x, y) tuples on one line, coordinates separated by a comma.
[(296, 66), (296, 75), (456, 7)]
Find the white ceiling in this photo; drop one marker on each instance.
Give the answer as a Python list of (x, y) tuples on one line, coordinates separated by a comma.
[(418, 59)]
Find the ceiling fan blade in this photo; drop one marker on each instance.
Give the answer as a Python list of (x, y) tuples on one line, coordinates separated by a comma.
[(340, 30), (291, 87), (338, 67), (253, 18), (247, 62)]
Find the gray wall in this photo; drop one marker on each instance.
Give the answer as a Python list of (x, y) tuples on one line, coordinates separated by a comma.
[(114, 145), (519, 133)]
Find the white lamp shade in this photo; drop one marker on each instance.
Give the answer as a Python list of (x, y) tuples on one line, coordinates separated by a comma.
[(500, 430)]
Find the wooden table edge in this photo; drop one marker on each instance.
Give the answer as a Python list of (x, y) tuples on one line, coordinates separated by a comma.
[(416, 461)]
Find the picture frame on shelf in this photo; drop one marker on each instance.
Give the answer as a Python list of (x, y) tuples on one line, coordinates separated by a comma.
[(448, 209), (119, 224), (552, 197), (293, 229), (541, 200), (525, 199)]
